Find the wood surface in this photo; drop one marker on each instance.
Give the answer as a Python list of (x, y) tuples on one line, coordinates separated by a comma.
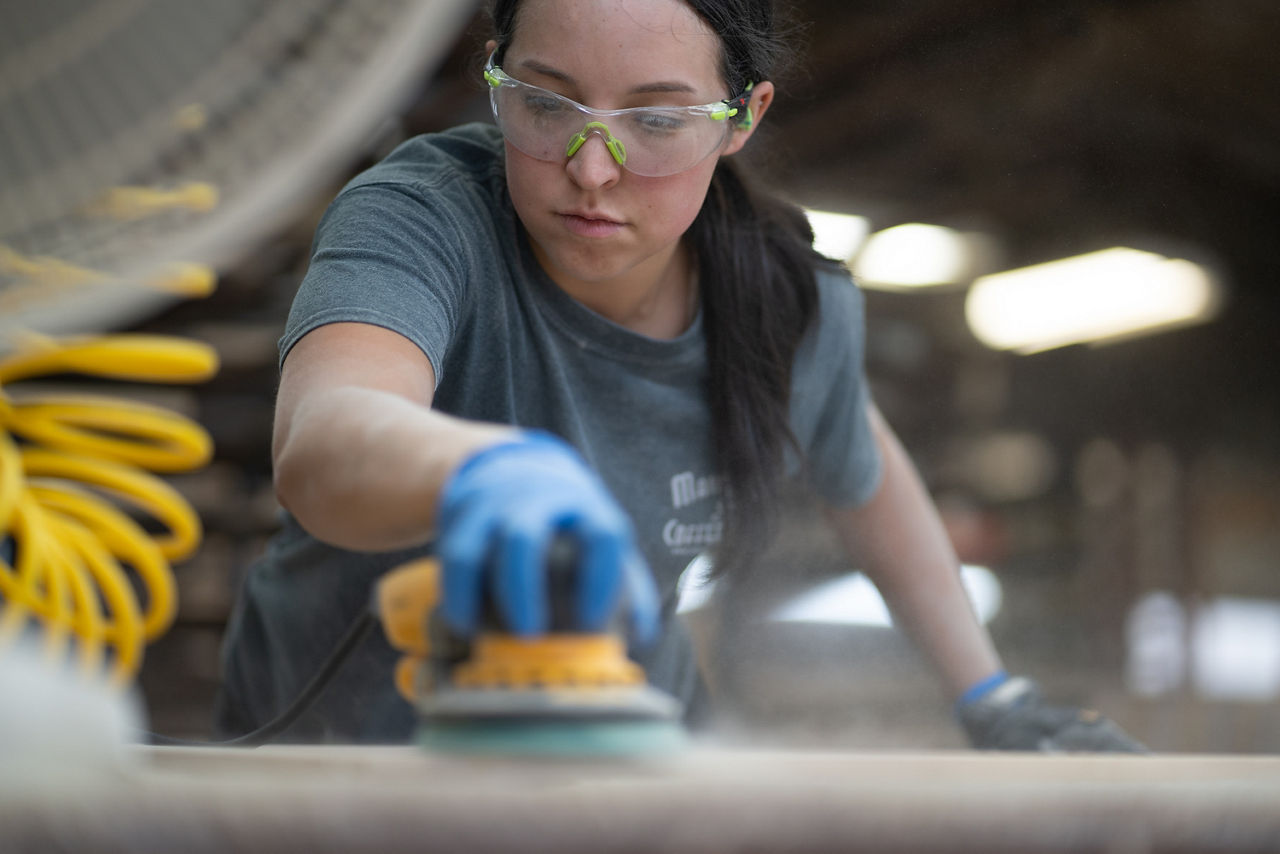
[(706, 799)]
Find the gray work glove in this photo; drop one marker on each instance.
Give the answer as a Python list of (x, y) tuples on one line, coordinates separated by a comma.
[(1014, 716)]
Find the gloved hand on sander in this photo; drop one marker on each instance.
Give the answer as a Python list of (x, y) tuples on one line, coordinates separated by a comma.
[(499, 514), (1010, 713)]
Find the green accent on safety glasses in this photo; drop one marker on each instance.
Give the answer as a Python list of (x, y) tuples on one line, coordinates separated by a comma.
[(615, 146)]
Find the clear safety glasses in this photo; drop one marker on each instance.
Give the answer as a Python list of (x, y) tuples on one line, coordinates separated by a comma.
[(649, 141)]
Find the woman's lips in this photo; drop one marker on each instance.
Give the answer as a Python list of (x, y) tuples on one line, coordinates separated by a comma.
[(589, 226)]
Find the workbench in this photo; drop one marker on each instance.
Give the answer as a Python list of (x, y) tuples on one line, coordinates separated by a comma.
[(707, 799)]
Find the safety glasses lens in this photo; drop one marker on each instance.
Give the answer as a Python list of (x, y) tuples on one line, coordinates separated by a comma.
[(653, 143)]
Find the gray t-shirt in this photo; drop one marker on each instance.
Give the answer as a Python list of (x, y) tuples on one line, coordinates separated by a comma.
[(427, 244)]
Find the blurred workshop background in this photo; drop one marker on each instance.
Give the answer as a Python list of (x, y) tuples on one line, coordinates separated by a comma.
[(1064, 215)]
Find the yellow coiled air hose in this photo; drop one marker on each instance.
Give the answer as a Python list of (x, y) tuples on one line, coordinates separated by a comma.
[(74, 474)]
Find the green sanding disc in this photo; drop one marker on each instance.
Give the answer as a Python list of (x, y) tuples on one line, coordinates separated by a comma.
[(553, 737)]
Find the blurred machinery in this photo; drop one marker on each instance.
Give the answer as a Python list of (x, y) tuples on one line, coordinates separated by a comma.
[(136, 135), (146, 145)]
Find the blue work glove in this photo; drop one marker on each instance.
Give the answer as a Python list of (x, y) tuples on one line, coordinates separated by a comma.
[(1009, 713), (500, 512)]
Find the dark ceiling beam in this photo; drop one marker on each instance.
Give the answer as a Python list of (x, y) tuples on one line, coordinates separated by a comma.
[(1003, 109)]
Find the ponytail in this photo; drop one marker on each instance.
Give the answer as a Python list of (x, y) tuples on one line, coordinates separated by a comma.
[(758, 289)]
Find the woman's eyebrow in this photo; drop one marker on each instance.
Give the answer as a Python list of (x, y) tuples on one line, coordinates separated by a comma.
[(663, 86), (645, 88), (546, 70)]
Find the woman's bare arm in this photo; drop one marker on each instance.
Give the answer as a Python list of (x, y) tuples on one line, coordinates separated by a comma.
[(359, 455), (898, 540)]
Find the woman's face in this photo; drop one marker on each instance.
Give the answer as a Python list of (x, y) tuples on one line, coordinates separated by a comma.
[(591, 222)]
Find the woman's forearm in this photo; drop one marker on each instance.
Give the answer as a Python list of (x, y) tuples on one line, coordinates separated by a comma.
[(362, 468), (359, 455), (899, 541)]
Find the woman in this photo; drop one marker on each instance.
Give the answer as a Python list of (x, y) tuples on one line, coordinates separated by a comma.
[(584, 321)]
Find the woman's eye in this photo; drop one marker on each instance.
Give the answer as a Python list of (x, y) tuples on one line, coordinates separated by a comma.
[(658, 122), (538, 103)]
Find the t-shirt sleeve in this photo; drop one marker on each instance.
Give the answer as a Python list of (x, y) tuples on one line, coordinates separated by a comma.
[(831, 398), (387, 254)]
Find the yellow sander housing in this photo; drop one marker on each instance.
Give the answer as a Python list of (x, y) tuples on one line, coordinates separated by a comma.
[(563, 693)]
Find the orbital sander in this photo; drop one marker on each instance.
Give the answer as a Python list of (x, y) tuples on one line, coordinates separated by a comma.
[(564, 693)]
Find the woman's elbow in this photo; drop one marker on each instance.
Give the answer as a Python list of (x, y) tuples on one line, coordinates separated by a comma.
[(292, 484)]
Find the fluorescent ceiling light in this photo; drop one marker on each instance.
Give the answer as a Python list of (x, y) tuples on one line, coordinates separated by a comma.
[(1228, 648), (1235, 646), (1156, 641), (848, 600), (695, 585), (853, 600), (915, 255), (1107, 295), (837, 235)]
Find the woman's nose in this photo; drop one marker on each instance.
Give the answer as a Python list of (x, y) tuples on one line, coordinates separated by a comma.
[(593, 166)]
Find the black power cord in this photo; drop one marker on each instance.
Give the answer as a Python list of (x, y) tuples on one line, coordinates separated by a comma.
[(356, 633), (562, 557)]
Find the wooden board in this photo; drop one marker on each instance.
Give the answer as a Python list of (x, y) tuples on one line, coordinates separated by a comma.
[(392, 799)]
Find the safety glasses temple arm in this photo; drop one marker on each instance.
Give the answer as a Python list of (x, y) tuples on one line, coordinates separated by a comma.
[(729, 107)]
